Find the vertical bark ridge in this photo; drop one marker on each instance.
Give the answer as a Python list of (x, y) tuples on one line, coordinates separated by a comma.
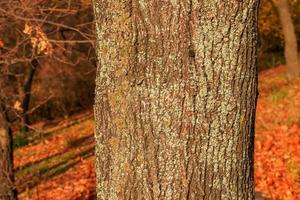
[(175, 99)]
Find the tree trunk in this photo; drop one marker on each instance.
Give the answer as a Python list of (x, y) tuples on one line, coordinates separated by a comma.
[(27, 95), (7, 189), (175, 101), (290, 41)]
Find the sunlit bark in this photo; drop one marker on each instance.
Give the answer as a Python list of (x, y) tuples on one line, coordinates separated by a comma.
[(175, 102)]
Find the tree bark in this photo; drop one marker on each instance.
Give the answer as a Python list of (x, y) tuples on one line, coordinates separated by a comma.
[(176, 91), (290, 40), (7, 188)]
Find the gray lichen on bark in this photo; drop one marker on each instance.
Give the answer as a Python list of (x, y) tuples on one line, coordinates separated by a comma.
[(175, 99)]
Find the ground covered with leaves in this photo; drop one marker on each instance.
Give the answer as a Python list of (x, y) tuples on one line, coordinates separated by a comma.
[(277, 142), (58, 162)]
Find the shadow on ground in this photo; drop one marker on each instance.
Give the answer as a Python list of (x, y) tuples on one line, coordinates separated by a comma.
[(31, 174)]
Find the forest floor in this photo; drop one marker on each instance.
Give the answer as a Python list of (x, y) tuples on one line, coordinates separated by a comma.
[(58, 164)]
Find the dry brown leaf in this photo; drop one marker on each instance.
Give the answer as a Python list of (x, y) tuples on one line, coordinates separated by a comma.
[(1, 44), (17, 106), (27, 29)]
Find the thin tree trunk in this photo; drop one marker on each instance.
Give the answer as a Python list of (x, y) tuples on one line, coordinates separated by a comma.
[(7, 189), (175, 102), (27, 94), (290, 40)]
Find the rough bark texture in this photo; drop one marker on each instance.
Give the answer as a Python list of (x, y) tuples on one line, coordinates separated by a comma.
[(175, 102), (290, 41), (7, 189)]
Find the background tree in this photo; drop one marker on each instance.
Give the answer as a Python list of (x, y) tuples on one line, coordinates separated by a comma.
[(175, 99), (290, 40), (47, 48), (7, 186), (271, 48), (40, 40)]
